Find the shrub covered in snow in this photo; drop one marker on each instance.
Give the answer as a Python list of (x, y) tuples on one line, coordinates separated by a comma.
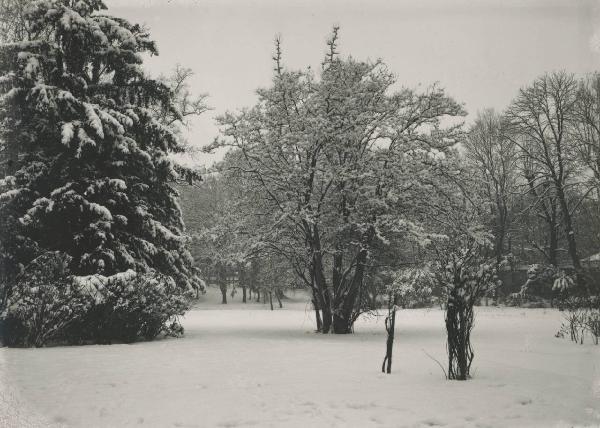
[(128, 307), (49, 305), (412, 287), (581, 318), (44, 303), (540, 281)]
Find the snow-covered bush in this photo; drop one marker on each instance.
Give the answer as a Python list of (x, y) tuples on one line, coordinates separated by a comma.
[(540, 280), (581, 316), (128, 307), (412, 287), (562, 282), (592, 319), (49, 305), (545, 282), (43, 303)]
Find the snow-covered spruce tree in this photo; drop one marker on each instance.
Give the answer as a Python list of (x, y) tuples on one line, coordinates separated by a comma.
[(93, 178)]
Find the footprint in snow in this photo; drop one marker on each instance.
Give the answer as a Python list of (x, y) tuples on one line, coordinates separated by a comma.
[(360, 406), (433, 422), (59, 420)]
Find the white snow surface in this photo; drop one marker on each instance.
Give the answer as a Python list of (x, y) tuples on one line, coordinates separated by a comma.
[(244, 365)]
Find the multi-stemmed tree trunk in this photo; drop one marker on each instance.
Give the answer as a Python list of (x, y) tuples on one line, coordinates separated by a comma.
[(346, 296), (467, 276), (459, 323)]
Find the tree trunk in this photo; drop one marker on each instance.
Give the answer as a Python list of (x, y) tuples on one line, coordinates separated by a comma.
[(569, 232), (258, 295), (322, 293), (318, 316), (223, 288), (572, 243), (317, 308), (345, 300), (278, 299), (271, 299), (553, 243), (499, 247), (549, 215), (244, 294), (342, 323), (459, 322)]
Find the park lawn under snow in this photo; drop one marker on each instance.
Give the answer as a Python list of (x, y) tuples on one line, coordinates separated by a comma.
[(244, 365)]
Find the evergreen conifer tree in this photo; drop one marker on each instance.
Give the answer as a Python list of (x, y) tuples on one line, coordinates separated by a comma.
[(93, 178)]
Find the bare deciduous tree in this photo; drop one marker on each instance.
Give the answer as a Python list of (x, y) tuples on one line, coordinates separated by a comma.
[(542, 119), (586, 131), (494, 157)]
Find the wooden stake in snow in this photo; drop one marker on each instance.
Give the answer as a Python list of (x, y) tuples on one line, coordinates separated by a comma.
[(390, 325)]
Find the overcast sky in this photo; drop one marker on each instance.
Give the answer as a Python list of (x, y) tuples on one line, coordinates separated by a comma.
[(481, 51)]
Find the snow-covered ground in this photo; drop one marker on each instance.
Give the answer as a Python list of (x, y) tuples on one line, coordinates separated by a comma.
[(244, 365)]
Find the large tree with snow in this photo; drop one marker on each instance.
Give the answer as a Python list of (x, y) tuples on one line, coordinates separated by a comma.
[(93, 175), (332, 160)]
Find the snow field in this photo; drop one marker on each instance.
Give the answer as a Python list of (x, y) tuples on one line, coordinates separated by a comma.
[(244, 365)]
